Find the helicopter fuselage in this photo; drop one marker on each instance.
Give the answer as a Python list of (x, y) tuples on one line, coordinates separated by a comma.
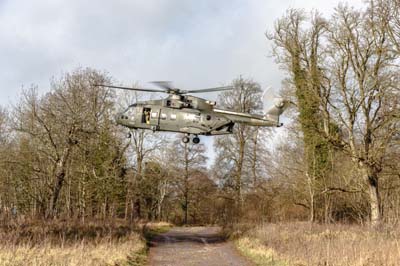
[(181, 112), (187, 114)]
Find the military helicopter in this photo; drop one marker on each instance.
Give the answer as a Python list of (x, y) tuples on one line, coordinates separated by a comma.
[(184, 113)]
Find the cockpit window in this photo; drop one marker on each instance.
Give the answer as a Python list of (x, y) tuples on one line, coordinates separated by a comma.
[(130, 111)]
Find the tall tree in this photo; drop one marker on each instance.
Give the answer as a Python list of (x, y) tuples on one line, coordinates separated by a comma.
[(386, 14), (365, 80), (233, 150), (299, 51), (5, 200), (142, 144), (71, 121), (346, 88), (188, 158)]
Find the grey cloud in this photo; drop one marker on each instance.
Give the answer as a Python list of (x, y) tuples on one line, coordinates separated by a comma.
[(195, 43)]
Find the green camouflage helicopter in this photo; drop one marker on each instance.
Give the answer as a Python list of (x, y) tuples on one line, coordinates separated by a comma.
[(191, 115)]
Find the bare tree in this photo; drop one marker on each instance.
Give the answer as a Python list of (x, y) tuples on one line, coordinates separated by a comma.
[(142, 144), (344, 73), (60, 122), (299, 50), (4, 194), (232, 150), (188, 158), (386, 13), (365, 100)]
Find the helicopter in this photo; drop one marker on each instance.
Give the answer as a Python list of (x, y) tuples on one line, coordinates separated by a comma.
[(184, 113)]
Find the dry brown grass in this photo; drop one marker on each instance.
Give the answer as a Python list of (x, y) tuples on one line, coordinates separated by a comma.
[(158, 225), (315, 245), (60, 243)]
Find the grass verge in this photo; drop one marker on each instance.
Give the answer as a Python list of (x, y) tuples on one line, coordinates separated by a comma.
[(152, 229), (305, 244), (258, 253), (60, 244)]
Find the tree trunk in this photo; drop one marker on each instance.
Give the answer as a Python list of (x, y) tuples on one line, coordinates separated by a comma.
[(137, 210), (311, 194), (371, 178), (254, 159), (59, 180), (61, 169), (56, 192), (162, 191), (374, 203), (239, 177), (186, 192)]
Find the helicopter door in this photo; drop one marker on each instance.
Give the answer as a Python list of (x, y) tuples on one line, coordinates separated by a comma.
[(146, 115)]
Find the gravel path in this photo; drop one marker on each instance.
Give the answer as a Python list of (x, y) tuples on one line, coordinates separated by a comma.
[(187, 246)]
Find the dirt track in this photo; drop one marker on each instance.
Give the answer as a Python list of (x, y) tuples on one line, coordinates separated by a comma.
[(187, 246)]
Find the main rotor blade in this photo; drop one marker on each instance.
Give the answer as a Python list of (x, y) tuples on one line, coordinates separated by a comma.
[(166, 85), (224, 88), (127, 88)]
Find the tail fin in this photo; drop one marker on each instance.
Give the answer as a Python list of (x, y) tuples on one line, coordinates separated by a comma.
[(273, 113), (274, 106)]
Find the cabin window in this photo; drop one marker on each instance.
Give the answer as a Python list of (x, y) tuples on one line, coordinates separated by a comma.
[(154, 115), (173, 116), (163, 116)]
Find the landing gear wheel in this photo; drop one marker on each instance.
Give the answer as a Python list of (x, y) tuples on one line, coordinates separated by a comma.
[(185, 139), (196, 140)]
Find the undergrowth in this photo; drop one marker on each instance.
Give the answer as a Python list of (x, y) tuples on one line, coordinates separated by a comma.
[(304, 244), (72, 243)]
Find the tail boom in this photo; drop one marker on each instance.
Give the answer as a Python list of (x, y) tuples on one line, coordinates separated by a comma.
[(248, 119)]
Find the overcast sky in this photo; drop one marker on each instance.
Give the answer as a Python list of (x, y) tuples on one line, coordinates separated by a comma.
[(196, 44), (193, 43)]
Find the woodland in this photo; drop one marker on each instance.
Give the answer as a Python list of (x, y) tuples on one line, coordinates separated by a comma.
[(324, 189), (336, 160)]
